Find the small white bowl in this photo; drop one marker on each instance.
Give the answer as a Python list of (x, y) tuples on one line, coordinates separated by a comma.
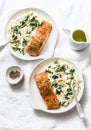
[(14, 74)]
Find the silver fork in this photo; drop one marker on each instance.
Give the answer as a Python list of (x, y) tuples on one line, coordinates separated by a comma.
[(3, 45), (78, 105)]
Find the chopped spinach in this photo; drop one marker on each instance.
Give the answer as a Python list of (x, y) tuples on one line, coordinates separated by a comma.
[(23, 22), (67, 96), (72, 71), (28, 32), (49, 66), (55, 62), (72, 77), (22, 51), (63, 68), (34, 22), (33, 18), (58, 90), (14, 37), (65, 104), (33, 28), (54, 76), (27, 17), (54, 85), (68, 84), (15, 48), (69, 90), (25, 41), (19, 32), (60, 68), (48, 71), (15, 28), (12, 42)]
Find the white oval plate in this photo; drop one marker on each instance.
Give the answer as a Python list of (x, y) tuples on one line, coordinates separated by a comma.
[(49, 46), (35, 97)]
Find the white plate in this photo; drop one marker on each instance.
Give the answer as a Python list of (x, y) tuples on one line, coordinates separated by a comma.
[(48, 48), (35, 97)]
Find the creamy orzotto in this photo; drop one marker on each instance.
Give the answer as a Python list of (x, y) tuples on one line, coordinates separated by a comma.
[(60, 74), (21, 29)]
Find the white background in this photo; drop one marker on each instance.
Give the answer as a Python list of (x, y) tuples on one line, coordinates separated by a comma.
[(16, 112)]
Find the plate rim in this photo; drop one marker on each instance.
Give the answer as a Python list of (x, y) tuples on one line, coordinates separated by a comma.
[(77, 65), (31, 58)]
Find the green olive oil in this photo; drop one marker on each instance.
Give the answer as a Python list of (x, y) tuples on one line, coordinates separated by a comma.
[(79, 36)]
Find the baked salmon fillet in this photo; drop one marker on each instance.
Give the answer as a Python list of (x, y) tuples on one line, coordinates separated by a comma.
[(43, 84), (38, 40)]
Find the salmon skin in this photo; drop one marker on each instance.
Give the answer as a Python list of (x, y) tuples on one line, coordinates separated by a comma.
[(38, 40), (43, 85)]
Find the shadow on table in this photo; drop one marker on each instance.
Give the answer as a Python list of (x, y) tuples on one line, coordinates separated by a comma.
[(83, 102), (22, 60), (18, 87), (56, 116)]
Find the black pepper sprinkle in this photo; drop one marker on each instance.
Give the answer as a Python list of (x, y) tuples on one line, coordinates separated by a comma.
[(14, 74)]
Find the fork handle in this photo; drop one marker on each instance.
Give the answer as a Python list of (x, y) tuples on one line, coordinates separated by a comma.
[(80, 110), (2, 45)]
